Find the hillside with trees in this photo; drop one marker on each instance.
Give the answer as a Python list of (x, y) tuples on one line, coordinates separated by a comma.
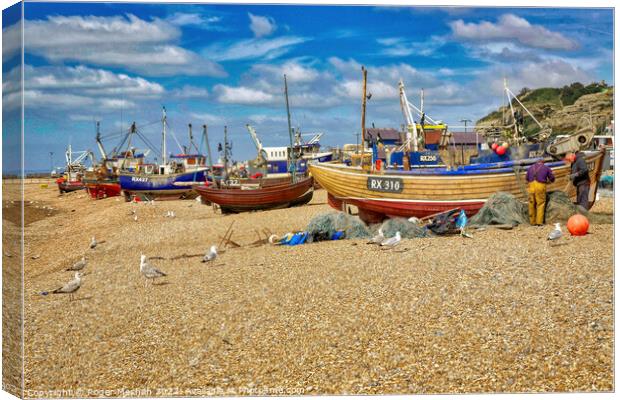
[(561, 109)]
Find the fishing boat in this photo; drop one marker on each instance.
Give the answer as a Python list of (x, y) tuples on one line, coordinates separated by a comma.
[(72, 178), (274, 162), (425, 191), (103, 181), (420, 187), (173, 178), (238, 195), (252, 195)]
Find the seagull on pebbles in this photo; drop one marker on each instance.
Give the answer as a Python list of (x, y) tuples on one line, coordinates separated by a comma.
[(71, 287), (149, 271), (93, 243), (556, 233), (170, 214), (392, 242), (378, 239), (211, 255), (78, 266)]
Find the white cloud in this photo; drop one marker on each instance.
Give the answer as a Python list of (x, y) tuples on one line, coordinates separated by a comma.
[(242, 95), (512, 28), (401, 47), (88, 81), (489, 85), (295, 71), (387, 74), (194, 19), (261, 26), (190, 92), (252, 48), (207, 118), (80, 89), (262, 119), (11, 41), (145, 47)]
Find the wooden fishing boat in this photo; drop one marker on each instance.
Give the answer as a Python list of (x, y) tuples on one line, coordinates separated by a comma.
[(102, 189), (65, 186), (425, 191), (258, 195)]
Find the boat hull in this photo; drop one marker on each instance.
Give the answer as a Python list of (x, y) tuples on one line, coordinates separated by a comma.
[(378, 196), (66, 187), (269, 197), (103, 189), (172, 186)]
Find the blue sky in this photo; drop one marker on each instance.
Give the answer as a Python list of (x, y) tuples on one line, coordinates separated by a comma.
[(223, 65)]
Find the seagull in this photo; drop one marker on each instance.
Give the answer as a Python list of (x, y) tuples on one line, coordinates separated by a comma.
[(170, 214), (78, 266), (93, 243), (378, 239), (556, 233), (135, 217), (211, 255), (71, 287), (149, 271), (391, 242)]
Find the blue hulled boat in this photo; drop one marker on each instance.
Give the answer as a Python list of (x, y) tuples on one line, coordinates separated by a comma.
[(172, 179)]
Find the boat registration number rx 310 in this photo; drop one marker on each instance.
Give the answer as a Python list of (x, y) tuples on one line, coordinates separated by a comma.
[(381, 184)]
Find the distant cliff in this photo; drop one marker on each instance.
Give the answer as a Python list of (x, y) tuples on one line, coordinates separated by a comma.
[(561, 108)]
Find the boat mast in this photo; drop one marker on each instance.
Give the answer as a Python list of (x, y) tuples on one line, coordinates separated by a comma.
[(99, 144), (412, 132), (422, 100), (163, 136), (225, 152), (364, 75), (292, 166), (68, 158), (512, 110), (206, 138)]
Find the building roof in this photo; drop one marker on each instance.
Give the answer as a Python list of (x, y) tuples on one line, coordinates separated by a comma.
[(386, 134), (467, 138)]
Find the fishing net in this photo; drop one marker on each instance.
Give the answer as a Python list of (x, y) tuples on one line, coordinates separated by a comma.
[(406, 228), (501, 209), (326, 225), (560, 208), (505, 209)]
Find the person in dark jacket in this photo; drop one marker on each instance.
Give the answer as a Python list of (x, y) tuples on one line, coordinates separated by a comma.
[(537, 176), (581, 179)]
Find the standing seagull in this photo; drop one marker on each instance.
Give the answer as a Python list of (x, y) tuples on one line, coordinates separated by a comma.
[(391, 242), (93, 243), (71, 287), (378, 239), (211, 255), (556, 233), (149, 271), (78, 266), (135, 217)]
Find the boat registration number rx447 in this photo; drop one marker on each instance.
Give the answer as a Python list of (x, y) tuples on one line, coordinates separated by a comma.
[(382, 184)]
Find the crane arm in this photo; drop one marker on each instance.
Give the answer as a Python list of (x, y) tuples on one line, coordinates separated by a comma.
[(255, 139)]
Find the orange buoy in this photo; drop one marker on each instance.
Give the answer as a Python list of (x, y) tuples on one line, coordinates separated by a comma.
[(501, 150), (494, 146), (578, 225)]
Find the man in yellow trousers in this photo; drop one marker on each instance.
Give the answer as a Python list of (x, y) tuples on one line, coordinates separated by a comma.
[(538, 175)]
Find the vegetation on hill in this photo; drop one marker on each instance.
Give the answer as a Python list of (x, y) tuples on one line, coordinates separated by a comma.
[(560, 108)]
